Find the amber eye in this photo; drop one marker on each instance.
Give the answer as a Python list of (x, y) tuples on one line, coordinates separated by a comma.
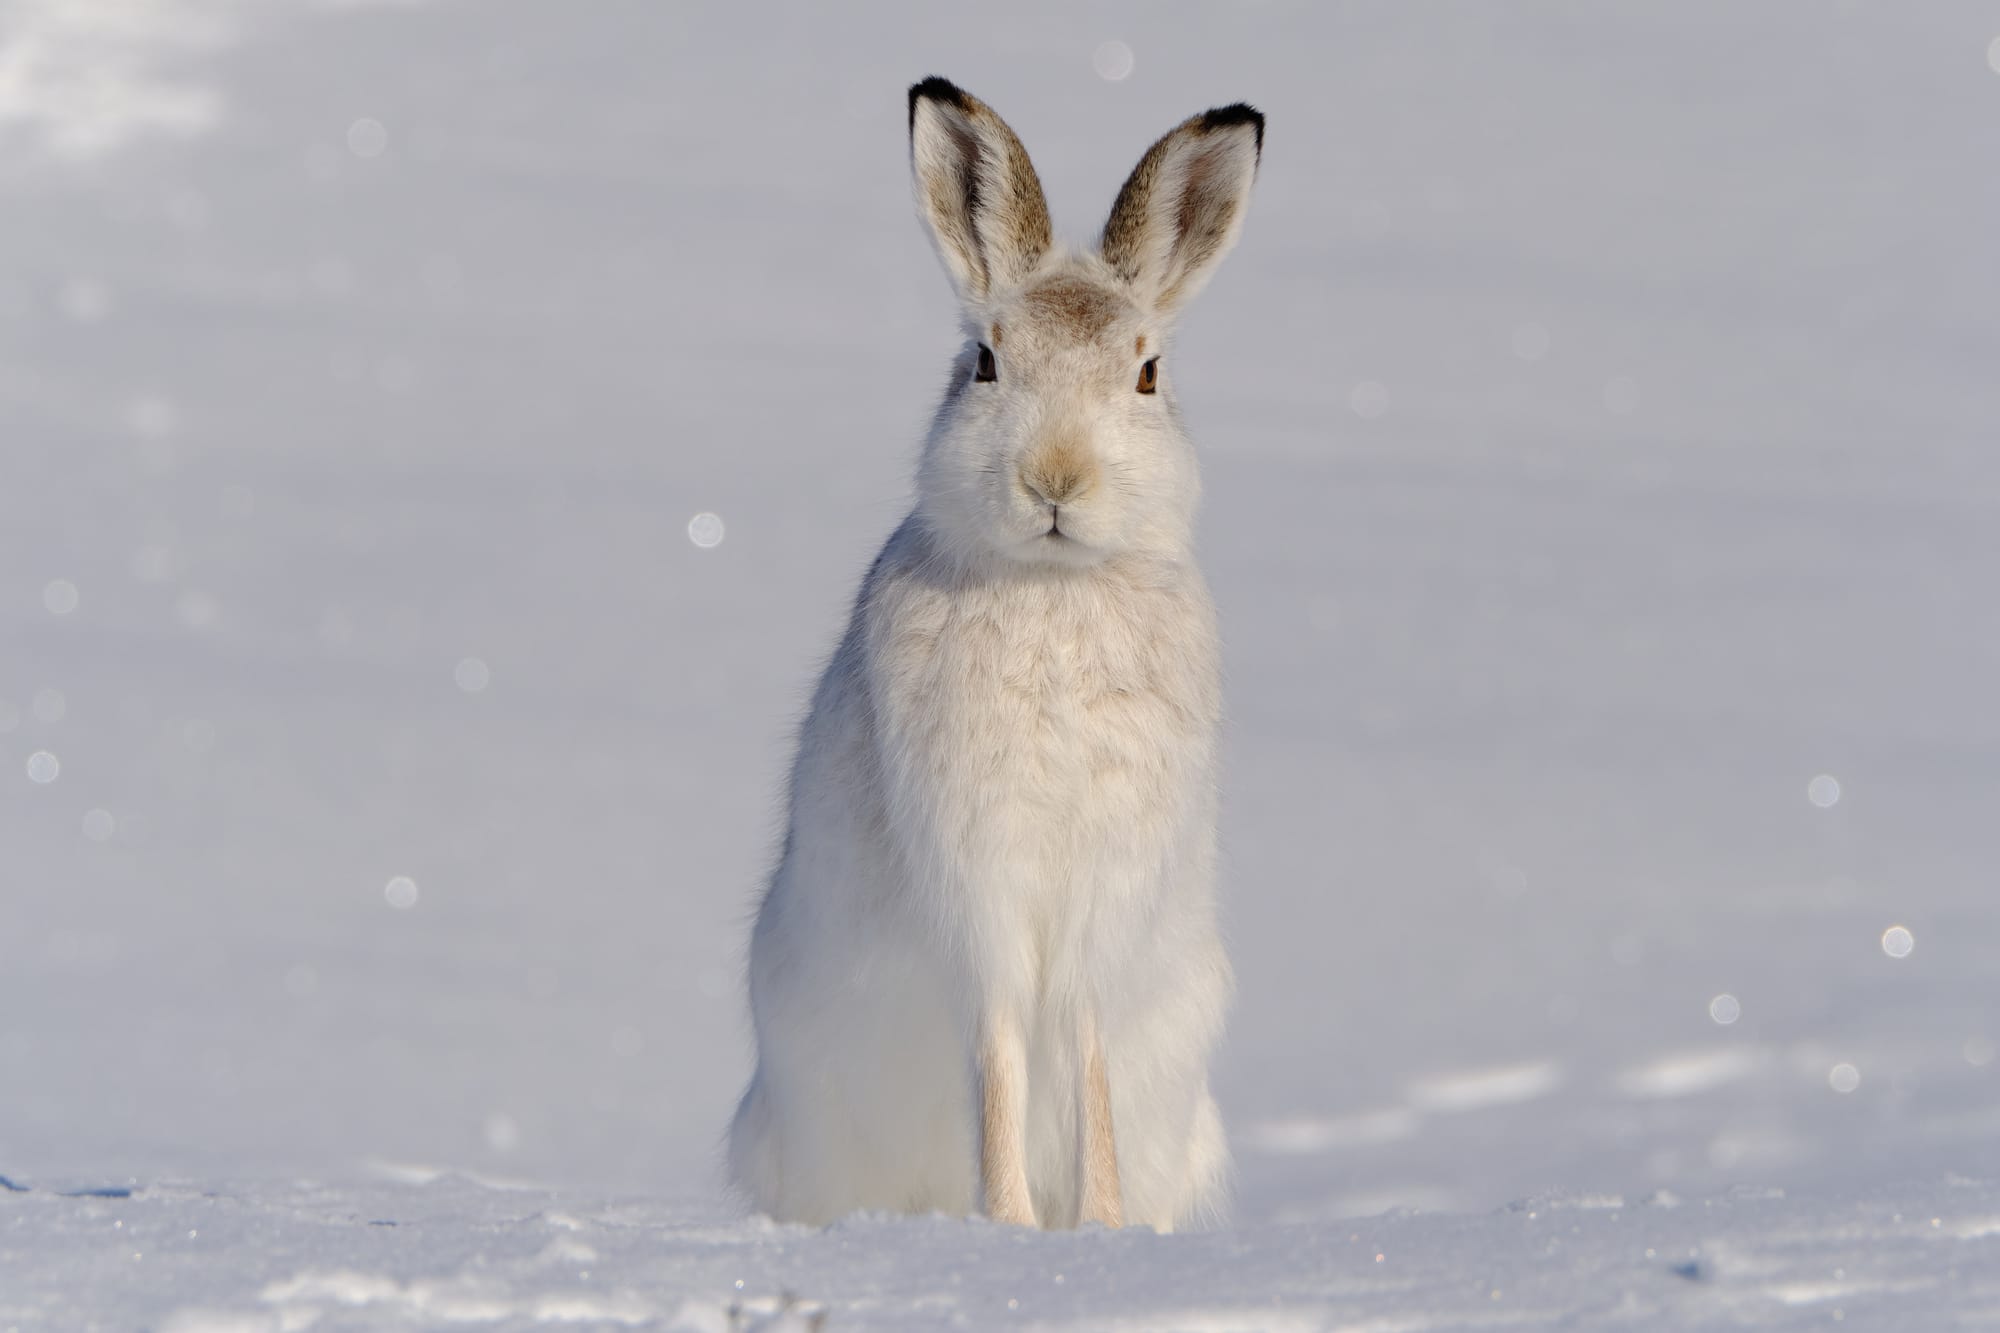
[(1149, 376), (987, 372)]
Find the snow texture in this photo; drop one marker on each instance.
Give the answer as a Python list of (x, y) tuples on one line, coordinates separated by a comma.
[(440, 440)]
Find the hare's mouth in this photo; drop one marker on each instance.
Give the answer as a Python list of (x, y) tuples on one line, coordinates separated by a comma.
[(1065, 547), (1056, 542), (1056, 547)]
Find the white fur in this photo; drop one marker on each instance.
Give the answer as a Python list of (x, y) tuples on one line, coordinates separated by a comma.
[(1003, 804)]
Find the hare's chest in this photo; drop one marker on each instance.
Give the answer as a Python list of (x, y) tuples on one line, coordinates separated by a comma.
[(1093, 723)]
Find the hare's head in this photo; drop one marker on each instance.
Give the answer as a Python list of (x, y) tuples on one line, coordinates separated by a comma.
[(1058, 442)]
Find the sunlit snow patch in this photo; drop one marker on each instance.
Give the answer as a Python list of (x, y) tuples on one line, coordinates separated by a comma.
[(80, 78), (1687, 1074), (467, 1299), (1301, 1135), (420, 1173), (1486, 1087)]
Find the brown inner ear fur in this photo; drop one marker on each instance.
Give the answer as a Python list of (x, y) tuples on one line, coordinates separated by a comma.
[(1124, 231), (1002, 237), (1027, 218), (950, 196), (1202, 220)]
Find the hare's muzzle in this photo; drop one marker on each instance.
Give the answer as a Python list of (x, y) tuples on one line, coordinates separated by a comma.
[(1061, 470)]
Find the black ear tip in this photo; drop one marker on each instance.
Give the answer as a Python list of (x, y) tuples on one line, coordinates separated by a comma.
[(938, 90), (1236, 113)]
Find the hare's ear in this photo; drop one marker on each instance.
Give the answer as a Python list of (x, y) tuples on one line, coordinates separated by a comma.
[(1182, 206), (976, 189)]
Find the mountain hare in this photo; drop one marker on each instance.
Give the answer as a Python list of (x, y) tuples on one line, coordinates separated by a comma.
[(986, 975)]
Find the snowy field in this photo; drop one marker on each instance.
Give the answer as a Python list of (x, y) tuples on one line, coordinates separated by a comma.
[(1601, 418)]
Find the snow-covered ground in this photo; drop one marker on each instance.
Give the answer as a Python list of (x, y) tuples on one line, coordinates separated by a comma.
[(210, 1257), (1601, 427)]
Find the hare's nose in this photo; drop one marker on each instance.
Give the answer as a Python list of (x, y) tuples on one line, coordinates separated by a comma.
[(1060, 474)]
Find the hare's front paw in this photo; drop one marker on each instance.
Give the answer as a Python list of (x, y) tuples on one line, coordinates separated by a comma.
[(1003, 1106), (1012, 1207)]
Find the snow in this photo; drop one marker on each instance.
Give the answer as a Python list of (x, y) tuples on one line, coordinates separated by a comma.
[(419, 1249), (1602, 507), (409, 1248)]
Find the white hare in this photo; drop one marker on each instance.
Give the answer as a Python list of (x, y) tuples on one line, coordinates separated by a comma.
[(986, 975)]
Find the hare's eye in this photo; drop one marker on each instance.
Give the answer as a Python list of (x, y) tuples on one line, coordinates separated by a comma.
[(1149, 376), (987, 372)]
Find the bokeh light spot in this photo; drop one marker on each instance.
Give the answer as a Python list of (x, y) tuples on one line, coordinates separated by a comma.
[(43, 767), (1113, 61), (705, 530), (1897, 942), (1843, 1077), (1369, 400), (152, 418), (401, 893), (196, 609), (1824, 791), (472, 674), (59, 596), (85, 300), (1725, 1009), (503, 1134), (367, 137)]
